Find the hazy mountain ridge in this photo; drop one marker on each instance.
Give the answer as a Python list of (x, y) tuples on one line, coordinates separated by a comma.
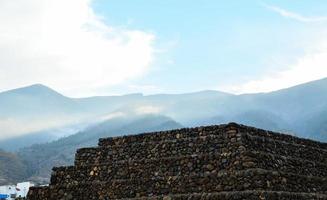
[(287, 109), (300, 110)]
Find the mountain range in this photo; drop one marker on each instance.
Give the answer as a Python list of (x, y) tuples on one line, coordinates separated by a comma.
[(43, 128)]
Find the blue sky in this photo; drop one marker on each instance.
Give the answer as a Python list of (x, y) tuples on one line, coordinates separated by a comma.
[(211, 44), (164, 46)]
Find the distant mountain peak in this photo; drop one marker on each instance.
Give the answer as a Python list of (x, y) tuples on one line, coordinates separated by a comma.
[(35, 89), (37, 86)]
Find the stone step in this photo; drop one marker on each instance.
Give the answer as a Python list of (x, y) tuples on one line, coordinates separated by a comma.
[(279, 136), (224, 143), (188, 165), (212, 144), (43, 194), (163, 135), (147, 168), (252, 179), (277, 147), (289, 164), (206, 131), (238, 195)]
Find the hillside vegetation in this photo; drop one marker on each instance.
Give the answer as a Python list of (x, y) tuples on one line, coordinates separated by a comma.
[(12, 168)]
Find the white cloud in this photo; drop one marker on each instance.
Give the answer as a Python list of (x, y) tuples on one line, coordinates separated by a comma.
[(308, 67), (312, 66), (148, 109), (295, 16), (112, 116), (11, 127), (65, 45)]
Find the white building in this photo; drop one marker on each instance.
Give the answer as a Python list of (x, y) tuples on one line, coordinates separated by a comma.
[(10, 192), (22, 188)]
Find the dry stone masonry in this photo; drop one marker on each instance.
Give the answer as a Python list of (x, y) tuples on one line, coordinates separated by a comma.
[(215, 162)]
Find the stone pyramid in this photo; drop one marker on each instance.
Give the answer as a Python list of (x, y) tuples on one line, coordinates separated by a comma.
[(214, 162)]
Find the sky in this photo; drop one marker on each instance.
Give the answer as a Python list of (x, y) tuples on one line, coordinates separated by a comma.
[(106, 47)]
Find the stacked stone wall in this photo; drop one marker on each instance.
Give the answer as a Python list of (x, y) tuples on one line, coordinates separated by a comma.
[(226, 161), (280, 137)]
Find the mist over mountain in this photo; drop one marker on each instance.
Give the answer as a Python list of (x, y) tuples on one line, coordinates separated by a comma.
[(39, 110), (39, 137), (39, 159), (80, 122)]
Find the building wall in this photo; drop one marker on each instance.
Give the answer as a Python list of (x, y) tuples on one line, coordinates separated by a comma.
[(23, 188), (14, 191), (9, 190)]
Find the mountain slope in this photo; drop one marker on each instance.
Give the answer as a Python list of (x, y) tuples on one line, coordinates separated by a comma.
[(35, 108), (315, 126), (41, 158), (39, 137), (294, 102), (40, 109), (33, 101), (12, 169), (300, 110)]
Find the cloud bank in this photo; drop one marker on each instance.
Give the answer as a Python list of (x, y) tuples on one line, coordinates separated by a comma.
[(65, 45), (312, 66)]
